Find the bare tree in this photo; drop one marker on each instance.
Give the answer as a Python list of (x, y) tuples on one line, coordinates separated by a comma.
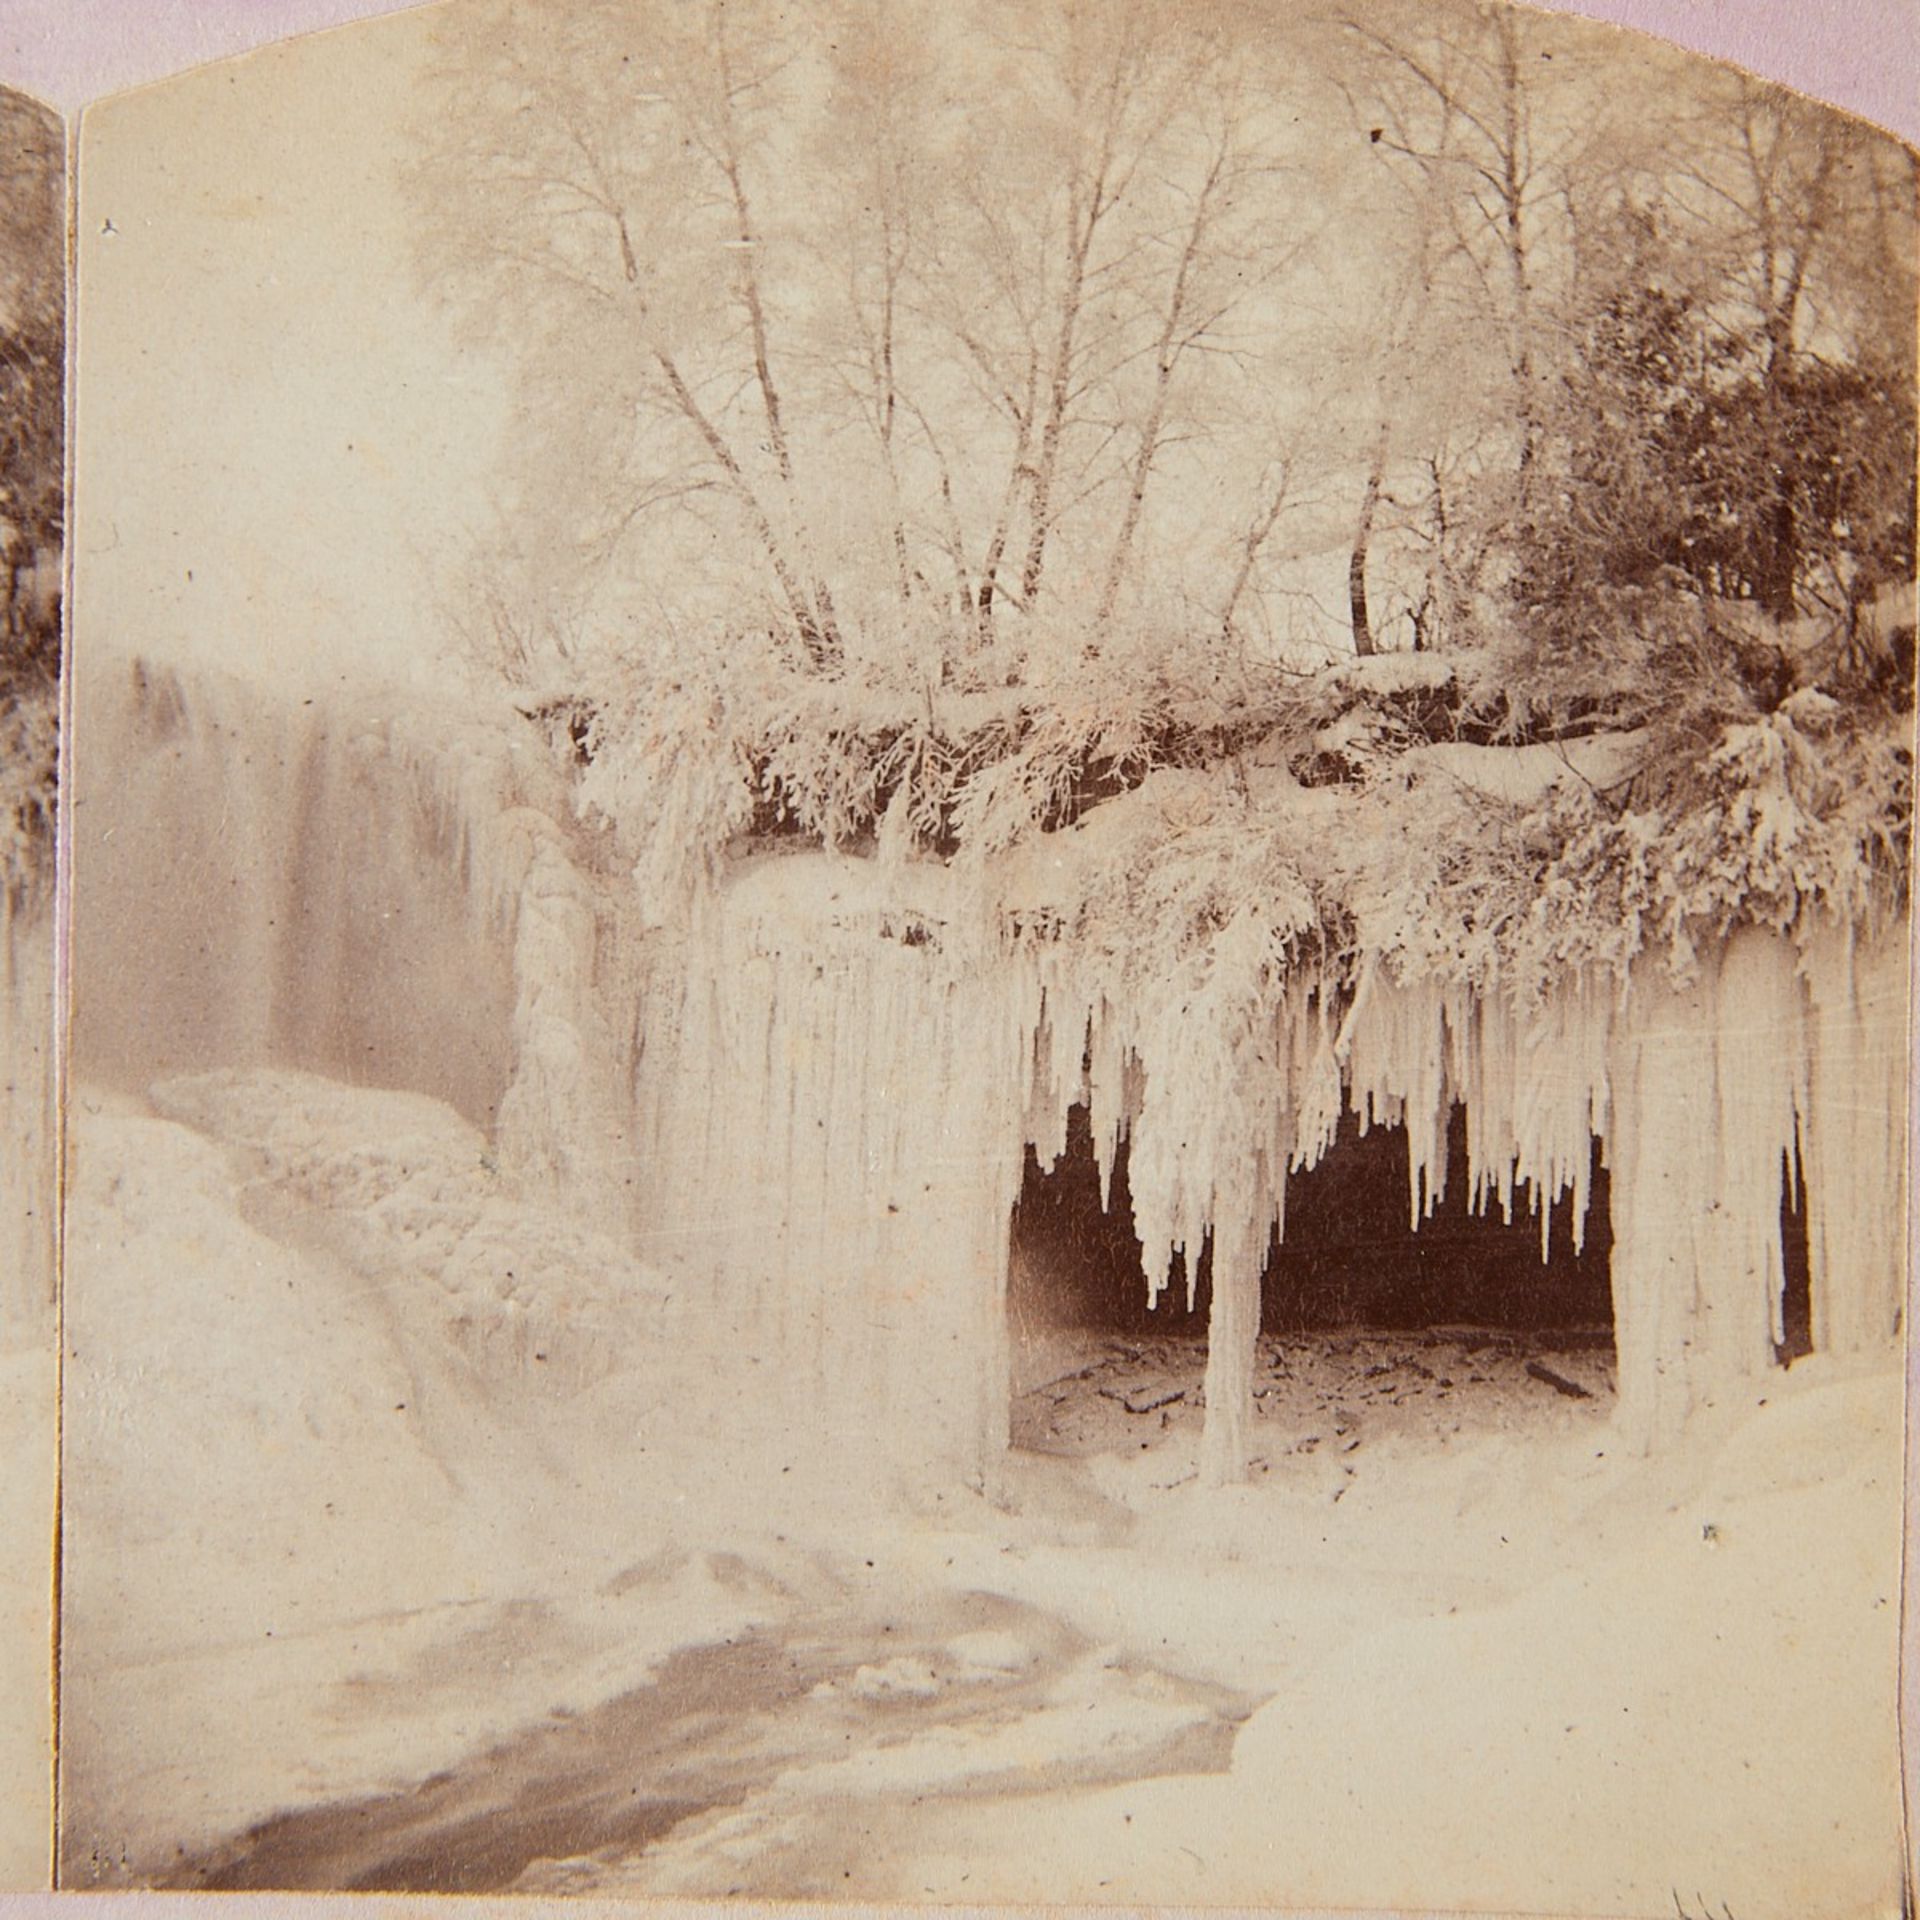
[(1084, 237), (1214, 262), (1770, 186), (1460, 98), (923, 328), (1252, 544), (624, 211)]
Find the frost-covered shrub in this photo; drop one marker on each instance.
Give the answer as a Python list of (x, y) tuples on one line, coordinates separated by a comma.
[(1493, 818), (730, 734)]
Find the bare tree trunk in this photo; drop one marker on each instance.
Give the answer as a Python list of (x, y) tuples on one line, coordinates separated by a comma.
[(821, 631), (1362, 538), (1089, 201), (1492, 139), (889, 399), (748, 242), (1514, 182), (955, 541), (822, 645), (1784, 260), (1166, 355), (997, 540), (1781, 575), (1257, 537), (1441, 601), (1041, 504)]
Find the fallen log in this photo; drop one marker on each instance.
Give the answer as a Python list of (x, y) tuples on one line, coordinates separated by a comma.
[(1558, 1381), (1144, 1399)]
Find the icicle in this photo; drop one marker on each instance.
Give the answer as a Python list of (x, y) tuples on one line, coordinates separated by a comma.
[(1534, 1085), (843, 1114), (1855, 1131), (559, 1128), (1313, 1077), (1759, 1045), (1397, 1073), (1106, 1094), (1704, 1102), (1060, 1046), (1663, 1198), (1318, 1108)]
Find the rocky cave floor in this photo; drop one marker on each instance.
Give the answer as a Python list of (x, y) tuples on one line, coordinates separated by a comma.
[(1316, 1392)]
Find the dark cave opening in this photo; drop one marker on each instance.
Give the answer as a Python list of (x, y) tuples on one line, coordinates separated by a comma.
[(1350, 1258)]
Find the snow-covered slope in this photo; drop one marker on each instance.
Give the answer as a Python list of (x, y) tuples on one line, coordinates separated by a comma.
[(348, 1477)]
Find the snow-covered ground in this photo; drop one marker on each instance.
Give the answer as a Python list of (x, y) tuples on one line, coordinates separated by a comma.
[(379, 1472), (304, 1499)]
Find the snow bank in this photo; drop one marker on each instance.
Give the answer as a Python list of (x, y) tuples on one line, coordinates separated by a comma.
[(1397, 672), (322, 1484), (1524, 776), (1684, 1688), (1708, 1712)]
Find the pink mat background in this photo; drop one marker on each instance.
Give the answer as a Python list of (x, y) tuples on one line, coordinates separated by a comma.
[(1859, 54)]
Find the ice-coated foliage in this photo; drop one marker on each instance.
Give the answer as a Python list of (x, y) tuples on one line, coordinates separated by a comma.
[(1371, 807)]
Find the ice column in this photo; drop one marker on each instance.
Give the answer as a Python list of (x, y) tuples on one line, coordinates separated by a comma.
[(1855, 1137), (1705, 1077), (833, 1115)]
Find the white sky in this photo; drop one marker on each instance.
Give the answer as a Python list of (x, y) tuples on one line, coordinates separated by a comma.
[(277, 444)]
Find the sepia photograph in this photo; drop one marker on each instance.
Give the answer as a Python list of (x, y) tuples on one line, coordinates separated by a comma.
[(987, 960)]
